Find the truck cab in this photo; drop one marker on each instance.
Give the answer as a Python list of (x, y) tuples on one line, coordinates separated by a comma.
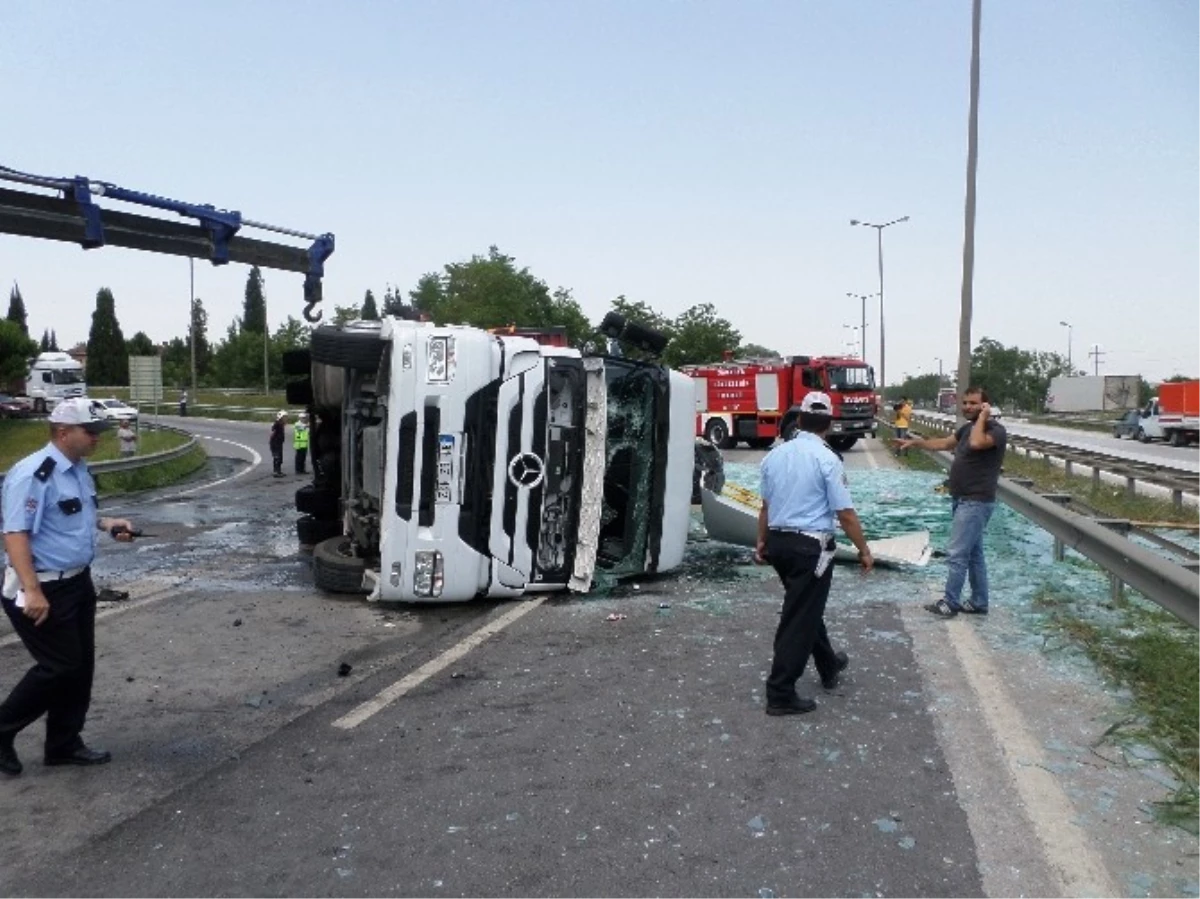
[(53, 377), (471, 463)]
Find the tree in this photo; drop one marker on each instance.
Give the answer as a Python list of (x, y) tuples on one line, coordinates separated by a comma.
[(254, 310), (343, 314), (45, 345), (369, 311), (107, 358), (15, 350), (16, 310), (238, 360), (177, 363), (141, 345), (427, 295), (699, 335), (203, 348), (53, 341), (1020, 378), (756, 351)]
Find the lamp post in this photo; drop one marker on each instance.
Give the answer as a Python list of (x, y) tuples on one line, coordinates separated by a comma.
[(879, 241), (939, 362), (1070, 367), (854, 344), (862, 334)]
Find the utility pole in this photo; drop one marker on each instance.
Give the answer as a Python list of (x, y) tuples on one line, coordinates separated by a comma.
[(192, 320), (968, 270), (1095, 352)]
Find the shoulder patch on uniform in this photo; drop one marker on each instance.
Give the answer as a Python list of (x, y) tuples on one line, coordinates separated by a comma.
[(45, 469)]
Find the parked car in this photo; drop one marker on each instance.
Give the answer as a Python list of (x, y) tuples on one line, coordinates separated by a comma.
[(115, 410), (1128, 425), (11, 407)]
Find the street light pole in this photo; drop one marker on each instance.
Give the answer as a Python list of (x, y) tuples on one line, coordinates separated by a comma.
[(939, 362), (882, 345), (862, 335), (1070, 367)]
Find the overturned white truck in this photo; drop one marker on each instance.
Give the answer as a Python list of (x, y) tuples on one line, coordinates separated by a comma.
[(452, 462)]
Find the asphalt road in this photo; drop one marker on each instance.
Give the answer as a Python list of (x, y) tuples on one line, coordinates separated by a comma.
[(539, 748)]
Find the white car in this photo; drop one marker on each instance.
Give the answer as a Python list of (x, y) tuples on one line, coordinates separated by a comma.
[(115, 410)]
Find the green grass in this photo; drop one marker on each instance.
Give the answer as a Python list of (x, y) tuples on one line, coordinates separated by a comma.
[(20, 438)]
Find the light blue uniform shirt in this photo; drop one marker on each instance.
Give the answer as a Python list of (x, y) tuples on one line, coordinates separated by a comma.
[(59, 539), (804, 484)]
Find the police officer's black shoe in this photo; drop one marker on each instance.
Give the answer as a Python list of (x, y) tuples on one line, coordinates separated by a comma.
[(841, 660), (798, 706), (9, 763), (84, 755)]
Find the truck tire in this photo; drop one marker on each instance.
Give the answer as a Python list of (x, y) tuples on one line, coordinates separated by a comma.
[(1178, 439), (312, 531), (842, 443), (359, 348), (1141, 436), (322, 504), (39, 406), (299, 393), (335, 567), (760, 442), (297, 362), (717, 433)]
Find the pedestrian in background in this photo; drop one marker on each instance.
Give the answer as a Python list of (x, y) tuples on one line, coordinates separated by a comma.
[(183, 401), (50, 528), (300, 442), (803, 490), (903, 416), (978, 448), (127, 438), (276, 442)]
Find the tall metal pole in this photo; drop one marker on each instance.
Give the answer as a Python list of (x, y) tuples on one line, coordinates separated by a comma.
[(192, 319), (882, 357), (964, 323), (863, 333), (266, 343), (1070, 366)]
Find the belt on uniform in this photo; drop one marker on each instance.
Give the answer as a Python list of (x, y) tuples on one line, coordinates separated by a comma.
[(822, 537), (63, 575)]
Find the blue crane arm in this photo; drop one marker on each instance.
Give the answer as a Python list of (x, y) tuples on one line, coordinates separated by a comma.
[(76, 217)]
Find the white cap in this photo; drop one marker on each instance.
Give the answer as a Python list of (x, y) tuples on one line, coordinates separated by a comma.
[(817, 402), (280, 414), (78, 411)]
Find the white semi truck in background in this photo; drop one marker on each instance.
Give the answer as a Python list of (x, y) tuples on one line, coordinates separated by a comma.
[(1097, 393), (53, 377)]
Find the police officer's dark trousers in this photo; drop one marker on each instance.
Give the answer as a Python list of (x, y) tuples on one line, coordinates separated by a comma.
[(801, 632), (64, 648)]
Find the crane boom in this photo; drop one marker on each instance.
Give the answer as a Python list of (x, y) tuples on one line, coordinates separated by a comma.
[(75, 217)]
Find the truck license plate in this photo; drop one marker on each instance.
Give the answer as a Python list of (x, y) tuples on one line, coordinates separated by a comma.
[(446, 481)]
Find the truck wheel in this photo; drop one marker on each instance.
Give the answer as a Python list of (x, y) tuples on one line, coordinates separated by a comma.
[(359, 347), (39, 405), (312, 531), (843, 443), (1177, 438), (1141, 436), (335, 567), (717, 433), (760, 442), (297, 362), (318, 503)]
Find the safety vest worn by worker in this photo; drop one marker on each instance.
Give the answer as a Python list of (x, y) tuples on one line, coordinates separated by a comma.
[(300, 436)]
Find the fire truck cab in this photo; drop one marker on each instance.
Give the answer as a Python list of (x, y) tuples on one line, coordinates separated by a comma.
[(746, 401)]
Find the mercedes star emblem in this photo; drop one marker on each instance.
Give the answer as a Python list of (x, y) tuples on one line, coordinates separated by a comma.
[(525, 470)]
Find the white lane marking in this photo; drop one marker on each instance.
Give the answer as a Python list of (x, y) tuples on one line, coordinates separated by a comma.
[(388, 695), (255, 460), (1065, 846)]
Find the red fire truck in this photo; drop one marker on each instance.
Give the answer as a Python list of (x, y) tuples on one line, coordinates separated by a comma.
[(746, 400)]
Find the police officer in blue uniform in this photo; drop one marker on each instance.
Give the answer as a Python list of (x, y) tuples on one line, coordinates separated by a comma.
[(804, 490), (50, 527)]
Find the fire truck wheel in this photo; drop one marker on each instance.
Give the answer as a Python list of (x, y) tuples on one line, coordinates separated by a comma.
[(335, 567), (841, 444), (347, 347), (717, 433)]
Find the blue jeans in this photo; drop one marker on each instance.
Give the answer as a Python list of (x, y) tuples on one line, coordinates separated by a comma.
[(964, 555)]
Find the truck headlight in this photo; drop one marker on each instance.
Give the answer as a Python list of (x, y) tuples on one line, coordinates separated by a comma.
[(439, 359), (428, 573)]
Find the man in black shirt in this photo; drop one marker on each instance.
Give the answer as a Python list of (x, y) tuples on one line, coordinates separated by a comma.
[(978, 454)]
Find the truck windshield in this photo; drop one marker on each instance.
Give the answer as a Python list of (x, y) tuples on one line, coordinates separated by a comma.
[(629, 475), (67, 376), (850, 377)]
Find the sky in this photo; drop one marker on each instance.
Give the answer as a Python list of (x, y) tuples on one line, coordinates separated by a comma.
[(676, 153)]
